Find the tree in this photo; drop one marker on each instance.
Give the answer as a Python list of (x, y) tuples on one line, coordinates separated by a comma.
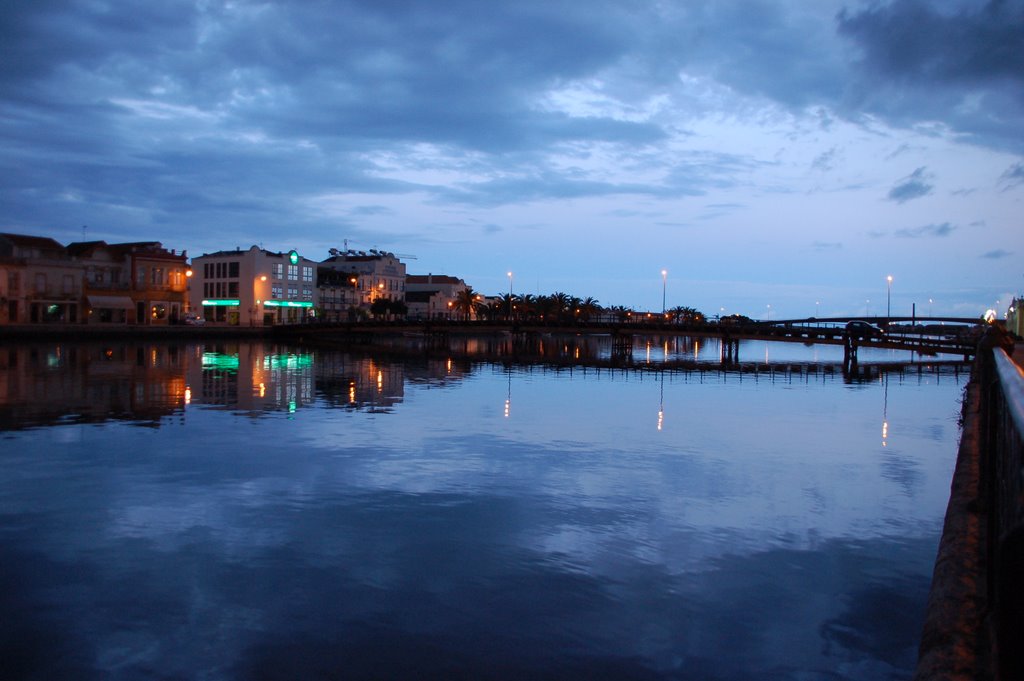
[(467, 302), (380, 307), (588, 308)]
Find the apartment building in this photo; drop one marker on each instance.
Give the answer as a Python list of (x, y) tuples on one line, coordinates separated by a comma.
[(137, 283), (432, 296), (39, 282), (255, 287), (363, 278)]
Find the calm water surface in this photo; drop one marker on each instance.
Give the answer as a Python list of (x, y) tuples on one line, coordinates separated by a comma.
[(266, 512)]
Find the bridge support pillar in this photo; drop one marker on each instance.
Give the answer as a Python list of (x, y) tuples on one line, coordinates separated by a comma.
[(730, 350), (849, 354), (622, 345)]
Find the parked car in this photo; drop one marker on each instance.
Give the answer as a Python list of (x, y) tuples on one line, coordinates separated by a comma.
[(861, 329), (192, 319)]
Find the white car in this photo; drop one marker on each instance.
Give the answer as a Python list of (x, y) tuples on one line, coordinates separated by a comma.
[(192, 319)]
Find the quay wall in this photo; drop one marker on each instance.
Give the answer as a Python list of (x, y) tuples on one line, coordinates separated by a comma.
[(974, 622)]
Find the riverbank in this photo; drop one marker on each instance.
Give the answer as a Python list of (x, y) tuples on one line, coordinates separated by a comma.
[(35, 332)]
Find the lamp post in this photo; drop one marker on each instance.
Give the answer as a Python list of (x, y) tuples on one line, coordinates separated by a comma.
[(510, 296), (664, 284), (888, 298)]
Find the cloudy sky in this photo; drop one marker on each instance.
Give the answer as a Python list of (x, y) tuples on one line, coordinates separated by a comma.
[(776, 157)]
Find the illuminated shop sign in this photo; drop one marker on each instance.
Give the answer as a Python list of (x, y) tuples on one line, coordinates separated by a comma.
[(222, 302), (286, 303)]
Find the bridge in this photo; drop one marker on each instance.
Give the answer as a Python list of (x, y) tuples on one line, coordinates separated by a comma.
[(927, 336)]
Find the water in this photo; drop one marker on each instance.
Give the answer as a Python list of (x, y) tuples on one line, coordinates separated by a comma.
[(243, 511)]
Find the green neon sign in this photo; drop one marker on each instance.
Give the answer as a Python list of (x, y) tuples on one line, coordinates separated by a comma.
[(222, 302), (293, 257), (286, 303)]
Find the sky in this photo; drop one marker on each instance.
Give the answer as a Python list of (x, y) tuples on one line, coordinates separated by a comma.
[(775, 158)]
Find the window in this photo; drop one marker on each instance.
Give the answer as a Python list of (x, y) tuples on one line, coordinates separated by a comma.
[(293, 293), (307, 293), (140, 275), (277, 271), (293, 272), (276, 291), (68, 284), (307, 274), (115, 275), (232, 289), (41, 283), (12, 282), (207, 270), (156, 275), (233, 269)]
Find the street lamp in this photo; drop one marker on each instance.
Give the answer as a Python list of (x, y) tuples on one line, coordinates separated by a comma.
[(888, 298), (664, 284), (510, 296)]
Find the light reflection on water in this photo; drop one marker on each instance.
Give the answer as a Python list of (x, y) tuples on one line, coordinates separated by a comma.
[(283, 513)]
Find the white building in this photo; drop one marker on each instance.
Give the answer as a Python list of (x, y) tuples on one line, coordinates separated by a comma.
[(432, 296), (378, 275), (253, 288)]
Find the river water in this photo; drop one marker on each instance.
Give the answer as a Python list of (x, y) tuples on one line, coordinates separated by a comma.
[(255, 511)]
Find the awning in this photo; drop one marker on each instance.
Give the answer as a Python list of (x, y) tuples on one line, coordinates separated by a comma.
[(111, 302)]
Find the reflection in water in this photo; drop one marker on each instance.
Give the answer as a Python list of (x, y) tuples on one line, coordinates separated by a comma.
[(337, 515)]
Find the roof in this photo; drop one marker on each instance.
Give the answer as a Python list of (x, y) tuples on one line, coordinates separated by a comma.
[(27, 241), (432, 279)]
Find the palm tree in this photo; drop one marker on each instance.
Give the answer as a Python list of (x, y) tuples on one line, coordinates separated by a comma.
[(588, 307), (467, 302), (526, 306)]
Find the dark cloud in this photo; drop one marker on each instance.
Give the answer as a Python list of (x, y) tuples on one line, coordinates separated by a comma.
[(226, 118), (926, 231), (1013, 176), (997, 254), (913, 186), (961, 63)]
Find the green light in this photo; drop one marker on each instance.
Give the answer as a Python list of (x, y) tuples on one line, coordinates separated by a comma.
[(288, 362), (224, 302), (220, 361), (286, 303), (293, 257)]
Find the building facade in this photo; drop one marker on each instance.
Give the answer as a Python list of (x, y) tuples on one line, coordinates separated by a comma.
[(134, 283), (253, 288), (433, 296), (39, 283), (365, 282)]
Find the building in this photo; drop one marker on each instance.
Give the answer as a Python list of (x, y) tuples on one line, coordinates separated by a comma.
[(39, 283), (432, 296), (136, 283), (254, 287), (1015, 317), (378, 286)]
